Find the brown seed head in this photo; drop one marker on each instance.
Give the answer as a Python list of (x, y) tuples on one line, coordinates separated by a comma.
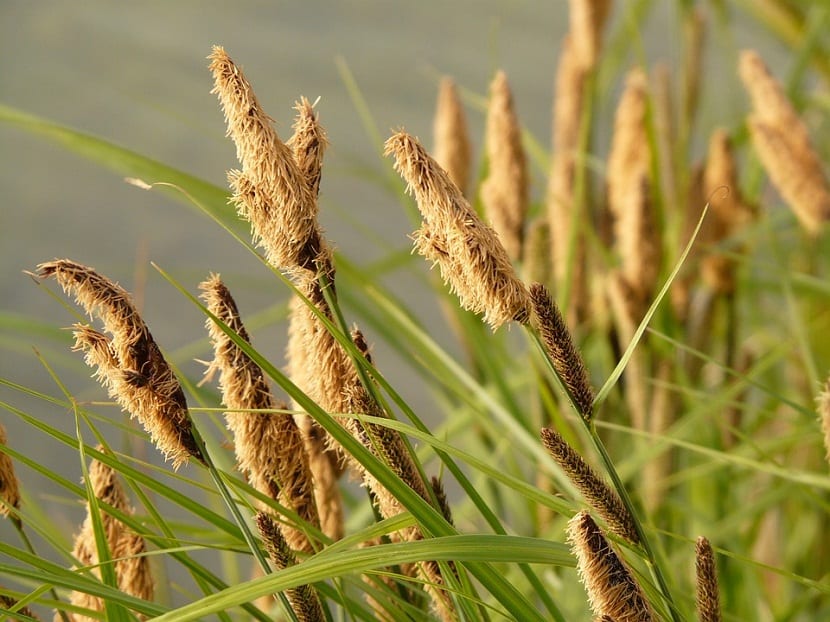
[(559, 346), (126, 548), (452, 147), (471, 259), (597, 493), (303, 599), (130, 364), (587, 19), (612, 589), (9, 485), (727, 213), (269, 446), (571, 80), (505, 191), (783, 144), (271, 190), (308, 143), (629, 163), (708, 600)]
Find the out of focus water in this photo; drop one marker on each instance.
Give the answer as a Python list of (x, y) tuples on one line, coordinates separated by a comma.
[(135, 73)]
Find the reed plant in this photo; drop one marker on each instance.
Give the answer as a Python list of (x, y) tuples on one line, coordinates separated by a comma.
[(631, 422)]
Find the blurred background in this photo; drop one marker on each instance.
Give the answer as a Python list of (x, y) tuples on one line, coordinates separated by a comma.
[(135, 74)]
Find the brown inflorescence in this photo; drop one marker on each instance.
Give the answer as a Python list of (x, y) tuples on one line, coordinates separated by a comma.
[(560, 348), (126, 548), (472, 260), (9, 485), (629, 192), (596, 492), (708, 599), (129, 364), (504, 193), (612, 590), (783, 144), (303, 599), (451, 139), (269, 446)]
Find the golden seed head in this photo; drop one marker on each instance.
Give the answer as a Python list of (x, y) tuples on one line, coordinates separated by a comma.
[(129, 364), (271, 190), (783, 144), (472, 260), (9, 484), (452, 146), (611, 587), (629, 163), (269, 446), (587, 19), (727, 211), (126, 548), (504, 192), (308, 143)]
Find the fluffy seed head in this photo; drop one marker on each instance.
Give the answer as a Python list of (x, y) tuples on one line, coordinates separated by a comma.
[(587, 19), (505, 191), (612, 589), (783, 144), (9, 485), (269, 446), (308, 143), (452, 147), (728, 211), (471, 259), (129, 364), (629, 163), (132, 569), (271, 190)]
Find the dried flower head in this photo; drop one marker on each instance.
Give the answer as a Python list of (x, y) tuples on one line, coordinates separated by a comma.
[(269, 446), (708, 600), (629, 162), (783, 144), (9, 485), (129, 364), (303, 599), (451, 138), (612, 589), (308, 143), (471, 259), (271, 190), (597, 493), (388, 445), (126, 548), (587, 19), (569, 97), (504, 192), (727, 213)]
